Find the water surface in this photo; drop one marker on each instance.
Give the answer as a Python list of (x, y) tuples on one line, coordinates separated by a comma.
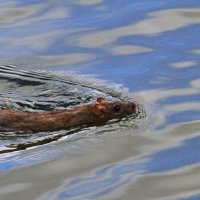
[(62, 54)]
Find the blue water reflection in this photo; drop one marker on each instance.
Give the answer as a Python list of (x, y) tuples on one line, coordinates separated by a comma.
[(101, 183), (177, 157), (195, 197), (150, 47)]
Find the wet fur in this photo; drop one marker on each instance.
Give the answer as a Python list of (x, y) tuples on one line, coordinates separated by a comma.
[(64, 119)]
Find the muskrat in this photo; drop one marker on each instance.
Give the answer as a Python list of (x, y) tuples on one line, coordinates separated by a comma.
[(86, 114)]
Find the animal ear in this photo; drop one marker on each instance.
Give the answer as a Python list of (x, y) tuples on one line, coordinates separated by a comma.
[(99, 109), (101, 100)]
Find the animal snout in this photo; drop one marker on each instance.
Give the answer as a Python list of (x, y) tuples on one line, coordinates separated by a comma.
[(131, 108)]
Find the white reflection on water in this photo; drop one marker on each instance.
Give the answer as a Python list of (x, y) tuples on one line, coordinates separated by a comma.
[(42, 41), (171, 172), (99, 183), (150, 96), (15, 16), (14, 188), (158, 22), (10, 15), (174, 185), (128, 50), (196, 51), (196, 83), (179, 107), (89, 2), (160, 161), (183, 64)]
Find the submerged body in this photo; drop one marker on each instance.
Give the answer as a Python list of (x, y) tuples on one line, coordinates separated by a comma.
[(64, 119)]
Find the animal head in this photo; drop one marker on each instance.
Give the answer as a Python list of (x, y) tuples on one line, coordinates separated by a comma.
[(111, 110)]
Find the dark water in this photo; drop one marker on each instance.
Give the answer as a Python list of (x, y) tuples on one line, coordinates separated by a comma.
[(58, 54)]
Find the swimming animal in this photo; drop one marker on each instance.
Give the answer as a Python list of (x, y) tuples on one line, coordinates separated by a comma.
[(86, 114)]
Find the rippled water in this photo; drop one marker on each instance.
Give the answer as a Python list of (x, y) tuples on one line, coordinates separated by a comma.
[(57, 54)]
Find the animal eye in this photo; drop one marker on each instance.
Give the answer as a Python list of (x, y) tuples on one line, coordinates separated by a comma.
[(117, 108)]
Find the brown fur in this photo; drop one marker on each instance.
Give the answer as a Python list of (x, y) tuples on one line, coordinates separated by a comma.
[(63, 119)]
